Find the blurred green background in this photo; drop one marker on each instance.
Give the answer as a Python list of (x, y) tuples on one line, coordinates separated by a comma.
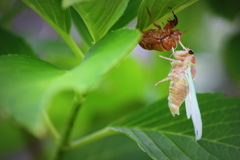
[(213, 32)]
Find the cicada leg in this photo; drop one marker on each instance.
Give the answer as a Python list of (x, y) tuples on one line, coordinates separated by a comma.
[(182, 45), (173, 60), (163, 80), (171, 23), (150, 16)]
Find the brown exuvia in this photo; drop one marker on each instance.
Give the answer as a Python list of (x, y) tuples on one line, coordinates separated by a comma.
[(161, 39)]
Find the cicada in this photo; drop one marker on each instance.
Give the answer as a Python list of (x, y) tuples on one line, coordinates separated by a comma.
[(182, 86), (161, 39)]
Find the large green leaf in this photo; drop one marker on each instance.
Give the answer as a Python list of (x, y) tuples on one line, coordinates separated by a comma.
[(11, 44), (100, 16), (165, 137), (27, 84), (160, 11)]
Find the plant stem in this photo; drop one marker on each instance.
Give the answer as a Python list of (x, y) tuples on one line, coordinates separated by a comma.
[(68, 129), (92, 137), (71, 43), (51, 127)]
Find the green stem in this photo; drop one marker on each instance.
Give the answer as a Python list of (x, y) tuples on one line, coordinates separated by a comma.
[(64, 141), (51, 127), (92, 137), (71, 43)]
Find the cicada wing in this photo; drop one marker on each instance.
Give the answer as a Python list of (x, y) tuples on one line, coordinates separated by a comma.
[(192, 107), (188, 103)]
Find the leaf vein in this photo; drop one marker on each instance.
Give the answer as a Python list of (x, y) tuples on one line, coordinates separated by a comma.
[(156, 144), (177, 145)]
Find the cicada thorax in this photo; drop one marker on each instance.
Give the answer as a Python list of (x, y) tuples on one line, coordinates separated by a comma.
[(161, 39)]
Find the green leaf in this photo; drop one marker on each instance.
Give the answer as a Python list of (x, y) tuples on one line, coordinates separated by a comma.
[(11, 44), (59, 19), (160, 10), (100, 16), (129, 14), (28, 84), (165, 137)]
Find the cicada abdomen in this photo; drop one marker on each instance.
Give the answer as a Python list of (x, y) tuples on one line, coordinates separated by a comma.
[(178, 91)]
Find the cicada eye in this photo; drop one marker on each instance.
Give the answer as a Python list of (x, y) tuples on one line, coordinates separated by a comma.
[(191, 51)]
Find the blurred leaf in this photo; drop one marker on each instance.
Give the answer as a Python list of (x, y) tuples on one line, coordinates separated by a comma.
[(165, 137), (82, 28), (129, 14), (23, 84), (115, 147), (11, 44), (98, 111), (228, 10), (102, 56), (160, 10), (100, 16), (231, 56), (28, 84)]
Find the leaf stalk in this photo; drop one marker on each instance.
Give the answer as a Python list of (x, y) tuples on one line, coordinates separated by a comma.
[(66, 134)]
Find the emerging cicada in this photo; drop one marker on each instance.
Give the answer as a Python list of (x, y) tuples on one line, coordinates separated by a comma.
[(182, 87), (161, 39)]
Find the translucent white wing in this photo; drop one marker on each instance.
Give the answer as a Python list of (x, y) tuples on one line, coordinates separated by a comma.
[(192, 107)]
